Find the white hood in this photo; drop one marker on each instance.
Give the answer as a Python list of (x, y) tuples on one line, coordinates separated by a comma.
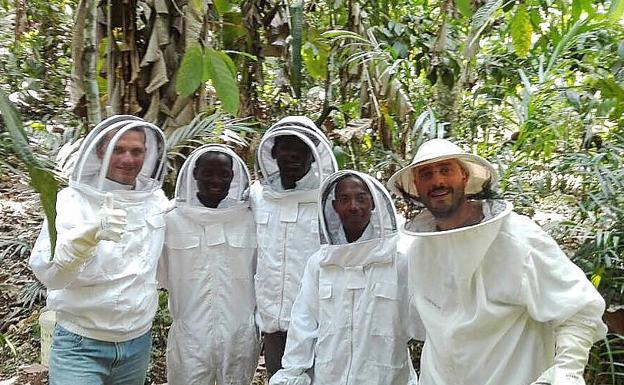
[(377, 243), (303, 128), (89, 174), (186, 185)]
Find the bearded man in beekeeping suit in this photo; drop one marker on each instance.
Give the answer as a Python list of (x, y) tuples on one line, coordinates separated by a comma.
[(500, 301), (102, 279)]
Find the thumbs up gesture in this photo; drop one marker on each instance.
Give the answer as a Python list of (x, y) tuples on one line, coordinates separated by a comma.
[(112, 221)]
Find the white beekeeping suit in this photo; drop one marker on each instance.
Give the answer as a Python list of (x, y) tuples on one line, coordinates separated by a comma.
[(500, 301), (347, 323), (208, 268), (287, 224), (102, 279)]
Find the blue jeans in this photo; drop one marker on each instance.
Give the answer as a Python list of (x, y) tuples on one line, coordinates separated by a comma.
[(78, 360)]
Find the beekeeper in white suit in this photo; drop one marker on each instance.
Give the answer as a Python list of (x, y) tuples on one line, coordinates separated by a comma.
[(347, 321), (102, 279), (500, 302), (294, 157), (208, 268)]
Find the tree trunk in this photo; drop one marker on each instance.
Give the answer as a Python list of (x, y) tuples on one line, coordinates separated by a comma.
[(89, 61)]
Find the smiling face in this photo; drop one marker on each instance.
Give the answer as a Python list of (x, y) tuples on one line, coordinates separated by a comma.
[(213, 173), (294, 159), (440, 186), (127, 158), (354, 205)]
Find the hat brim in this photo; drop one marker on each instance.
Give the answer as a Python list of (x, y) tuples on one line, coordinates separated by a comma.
[(480, 173)]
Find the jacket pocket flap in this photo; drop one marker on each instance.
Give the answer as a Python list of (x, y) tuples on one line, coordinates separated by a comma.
[(156, 221), (386, 290), (262, 217), (242, 240), (325, 290), (181, 242)]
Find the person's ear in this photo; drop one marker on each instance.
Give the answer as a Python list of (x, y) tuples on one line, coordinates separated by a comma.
[(273, 151), (464, 175), (334, 204)]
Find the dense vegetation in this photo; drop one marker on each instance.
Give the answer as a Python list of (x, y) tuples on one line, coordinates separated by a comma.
[(537, 86)]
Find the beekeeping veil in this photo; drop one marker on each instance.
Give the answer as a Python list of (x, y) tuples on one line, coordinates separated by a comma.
[(304, 129), (383, 218), (94, 159), (187, 188)]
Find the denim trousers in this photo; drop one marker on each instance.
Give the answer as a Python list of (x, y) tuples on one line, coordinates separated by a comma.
[(78, 360)]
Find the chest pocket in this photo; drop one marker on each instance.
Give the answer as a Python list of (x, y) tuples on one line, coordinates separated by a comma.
[(304, 233), (262, 225), (328, 318), (384, 308), (183, 256)]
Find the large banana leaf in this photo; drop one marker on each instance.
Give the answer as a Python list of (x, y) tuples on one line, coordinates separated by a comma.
[(41, 178)]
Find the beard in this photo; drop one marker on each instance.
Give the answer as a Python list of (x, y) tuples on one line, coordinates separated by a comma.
[(445, 209)]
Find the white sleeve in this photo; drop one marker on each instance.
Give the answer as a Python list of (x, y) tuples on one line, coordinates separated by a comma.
[(555, 290), (49, 273), (573, 339), (302, 331), (162, 270)]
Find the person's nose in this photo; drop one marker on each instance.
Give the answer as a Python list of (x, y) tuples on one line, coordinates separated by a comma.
[(354, 206), (126, 158)]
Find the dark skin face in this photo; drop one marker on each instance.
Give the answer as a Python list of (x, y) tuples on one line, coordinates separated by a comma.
[(213, 173), (294, 159), (353, 204)]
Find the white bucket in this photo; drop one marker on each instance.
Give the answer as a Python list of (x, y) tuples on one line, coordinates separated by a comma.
[(47, 321)]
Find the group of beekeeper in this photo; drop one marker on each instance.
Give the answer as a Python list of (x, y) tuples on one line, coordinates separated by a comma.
[(307, 263)]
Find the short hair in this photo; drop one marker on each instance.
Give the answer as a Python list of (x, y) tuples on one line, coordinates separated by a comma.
[(103, 143), (210, 154)]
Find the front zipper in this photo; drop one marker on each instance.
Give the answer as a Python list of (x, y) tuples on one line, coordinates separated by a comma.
[(351, 336), (279, 314)]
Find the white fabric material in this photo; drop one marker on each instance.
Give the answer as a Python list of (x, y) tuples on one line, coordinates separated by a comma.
[(574, 339), (111, 295), (347, 321), (208, 268), (287, 228), (109, 226), (480, 171), (494, 299)]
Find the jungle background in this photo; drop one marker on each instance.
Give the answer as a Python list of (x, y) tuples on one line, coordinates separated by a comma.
[(536, 86)]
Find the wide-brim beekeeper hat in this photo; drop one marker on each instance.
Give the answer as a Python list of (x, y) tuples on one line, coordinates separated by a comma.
[(481, 173)]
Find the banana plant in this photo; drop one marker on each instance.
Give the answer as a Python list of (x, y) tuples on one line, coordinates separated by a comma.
[(42, 178)]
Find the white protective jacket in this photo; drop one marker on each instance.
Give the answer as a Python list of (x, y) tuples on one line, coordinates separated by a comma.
[(287, 222), (208, 268), (112, 296), (347, 321), (500, 302)]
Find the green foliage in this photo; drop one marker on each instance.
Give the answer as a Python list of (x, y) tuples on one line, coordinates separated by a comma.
[(616, 11), (4, 341), (521, 31), (464, 7), (200, 65), (41, 178)]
